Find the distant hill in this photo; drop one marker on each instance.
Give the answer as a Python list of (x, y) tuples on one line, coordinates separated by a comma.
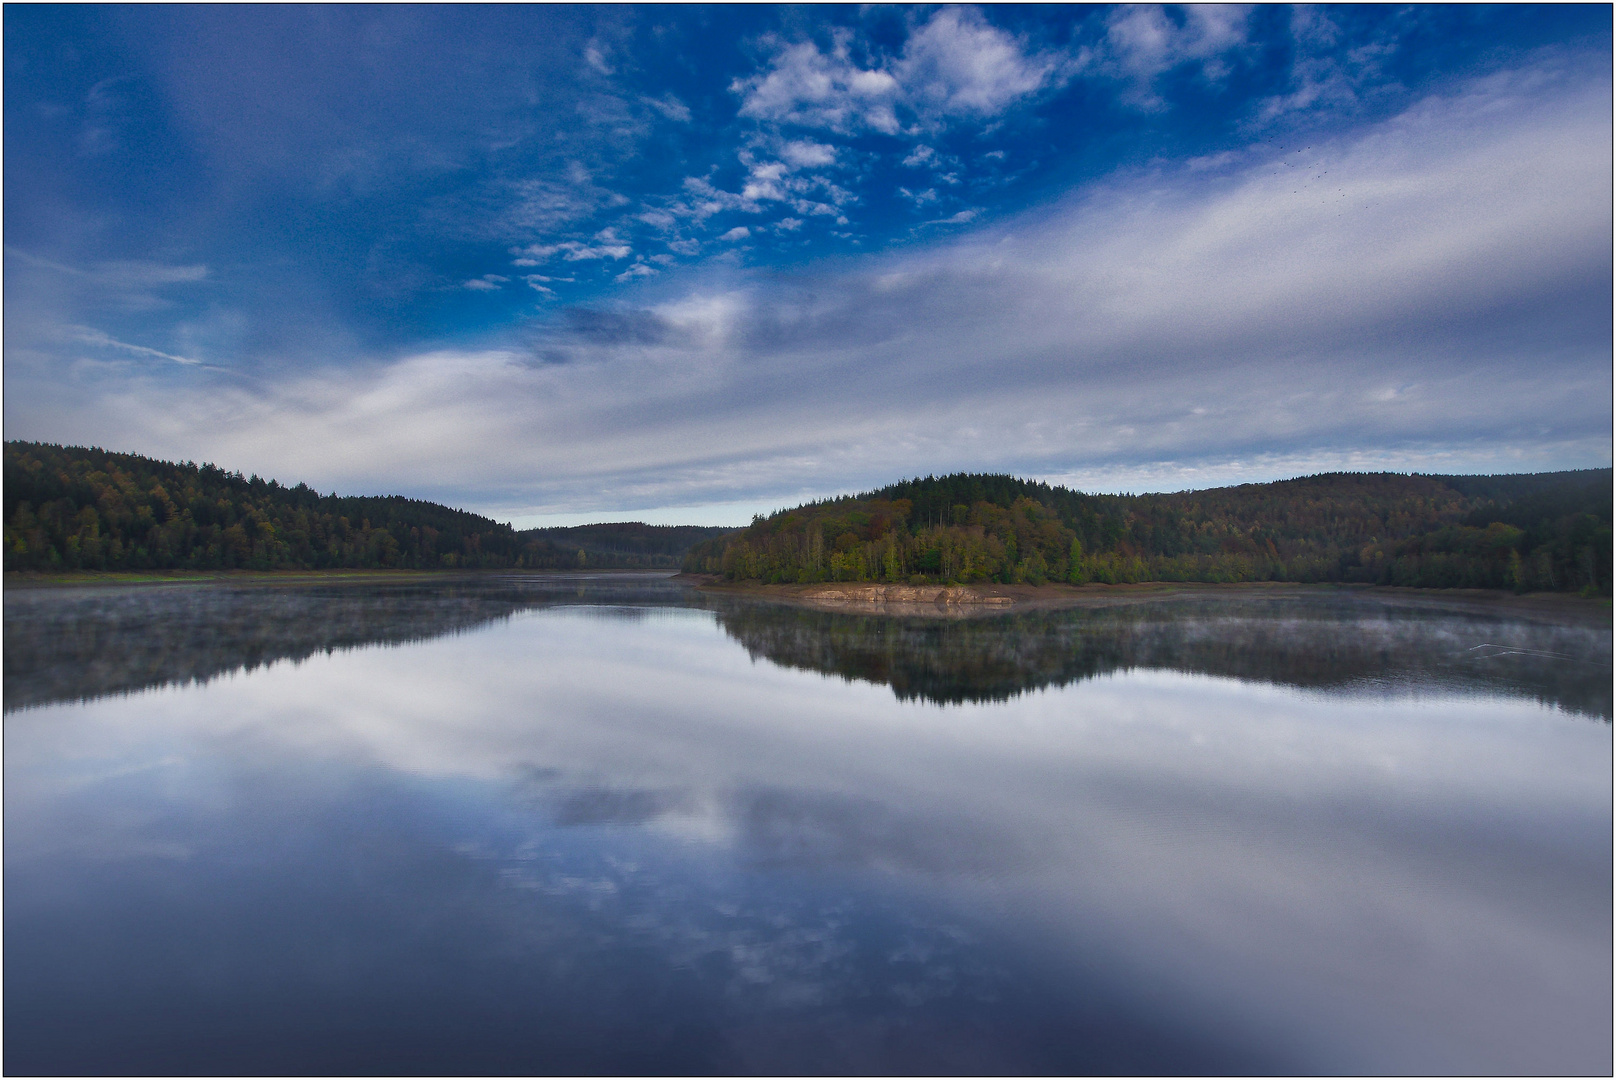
[(630, 543), (72, 508), (1544, 531)]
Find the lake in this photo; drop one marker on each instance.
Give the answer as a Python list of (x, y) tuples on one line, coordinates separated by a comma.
[(613, 824)]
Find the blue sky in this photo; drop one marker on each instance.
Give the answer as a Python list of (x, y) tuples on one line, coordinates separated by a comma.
[(560, 264)]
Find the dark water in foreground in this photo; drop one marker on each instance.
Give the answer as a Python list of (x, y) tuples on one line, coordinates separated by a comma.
[(584, 825)]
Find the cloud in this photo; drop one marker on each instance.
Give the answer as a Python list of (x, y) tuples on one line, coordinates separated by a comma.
[(536, 206), (807, 154), (806, 87), (1456, 254), (775, 172), (486, 283), (670, 107), (956, 65), (920, 157), (959, 65), (1322, 75), (1145, 41), (607, 247), (90, 336), (595, 57), (739, 232), (638, 270), (128, 285)]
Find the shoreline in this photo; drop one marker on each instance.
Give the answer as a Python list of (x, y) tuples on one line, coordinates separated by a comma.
[(958, 601), (38, 579), (875, 598)]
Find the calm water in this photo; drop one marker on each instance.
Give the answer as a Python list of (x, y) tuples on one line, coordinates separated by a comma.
[(608, 824)]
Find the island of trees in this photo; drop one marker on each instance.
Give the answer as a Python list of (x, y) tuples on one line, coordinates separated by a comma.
[(1546, 531), (72, 508)]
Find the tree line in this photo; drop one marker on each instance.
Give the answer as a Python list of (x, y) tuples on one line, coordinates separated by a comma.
[(76, 508), (1547, 531)]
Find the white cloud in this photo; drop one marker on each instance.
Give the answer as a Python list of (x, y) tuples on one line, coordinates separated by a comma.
[(1319, 77), (789, 224), (806, 154), (595, 57), (763, 181), (1457, 254), (572, 251), (959, 65), (953, 66), (1144, 41), (486, 283), (638, 270), (739, 232), (541, 206), (804, 86), (90, 336), (768, 179), (670, 107), (920, 157), (128, 285)]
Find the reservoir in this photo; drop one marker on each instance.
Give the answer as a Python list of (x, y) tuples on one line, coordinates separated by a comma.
[(611, 823)]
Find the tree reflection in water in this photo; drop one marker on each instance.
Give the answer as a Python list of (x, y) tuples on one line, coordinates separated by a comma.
[(79, 644)]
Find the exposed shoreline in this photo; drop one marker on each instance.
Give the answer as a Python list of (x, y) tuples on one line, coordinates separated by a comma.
[(938, 601), (956, 601)]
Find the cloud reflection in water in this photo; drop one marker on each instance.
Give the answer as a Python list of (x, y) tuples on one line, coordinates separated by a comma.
[(595, 838)]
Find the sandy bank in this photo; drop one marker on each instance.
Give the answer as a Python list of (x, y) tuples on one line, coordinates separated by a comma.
[(968, 600)]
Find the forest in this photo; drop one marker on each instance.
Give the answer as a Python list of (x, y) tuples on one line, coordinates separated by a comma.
[(630, 543), (71, 508), (1538, 532)]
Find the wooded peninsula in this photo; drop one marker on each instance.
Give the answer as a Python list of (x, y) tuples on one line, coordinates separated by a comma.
[(72, 508), (1539, 532)]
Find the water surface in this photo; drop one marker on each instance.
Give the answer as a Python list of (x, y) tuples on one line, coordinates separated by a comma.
[(607, 823)]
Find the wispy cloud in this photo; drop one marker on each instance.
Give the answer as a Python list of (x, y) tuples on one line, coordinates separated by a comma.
[(1145, 41), (1436, 296), (90, 336)]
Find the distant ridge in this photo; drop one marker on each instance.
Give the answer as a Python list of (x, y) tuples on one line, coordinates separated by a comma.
[(1541, 531), (78, 508)]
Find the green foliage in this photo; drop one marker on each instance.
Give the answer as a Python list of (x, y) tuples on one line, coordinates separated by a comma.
[(71, 508), (628, 544), (1549, 531)]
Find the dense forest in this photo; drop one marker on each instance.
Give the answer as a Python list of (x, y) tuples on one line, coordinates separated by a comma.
[(1546, 531), (629, 544), (70, 508)]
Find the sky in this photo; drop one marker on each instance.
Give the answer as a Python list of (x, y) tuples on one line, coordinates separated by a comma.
[(684, 264)]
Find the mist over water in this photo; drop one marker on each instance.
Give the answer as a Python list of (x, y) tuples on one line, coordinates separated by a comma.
[(612, 824)]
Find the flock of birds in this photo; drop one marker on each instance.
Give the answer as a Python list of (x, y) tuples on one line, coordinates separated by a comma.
[(1340, 192)]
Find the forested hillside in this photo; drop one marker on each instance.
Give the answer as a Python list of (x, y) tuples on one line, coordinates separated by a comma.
[(70, 508), (628, 544), (1547, 531)]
